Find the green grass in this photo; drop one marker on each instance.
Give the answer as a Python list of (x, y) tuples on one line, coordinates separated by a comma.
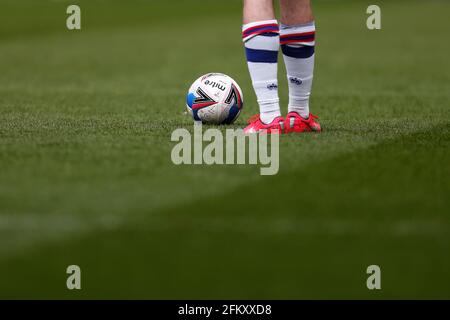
[(86, 176)]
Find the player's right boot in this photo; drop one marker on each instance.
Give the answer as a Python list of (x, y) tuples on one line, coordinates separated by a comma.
[(255, 125), (295, 123)]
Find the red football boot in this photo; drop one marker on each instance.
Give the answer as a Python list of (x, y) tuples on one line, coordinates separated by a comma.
[(295, 123)]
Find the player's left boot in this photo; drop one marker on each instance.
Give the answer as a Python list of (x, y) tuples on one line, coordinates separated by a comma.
[(295, 123)]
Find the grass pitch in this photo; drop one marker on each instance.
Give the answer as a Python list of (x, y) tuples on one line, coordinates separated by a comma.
[(86, 176)]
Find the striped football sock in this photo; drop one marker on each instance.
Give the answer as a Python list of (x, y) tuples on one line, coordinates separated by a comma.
[(297, 43), (261, 40)]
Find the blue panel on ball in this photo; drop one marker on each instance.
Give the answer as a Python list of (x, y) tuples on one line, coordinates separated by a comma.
[(195, 115), (190, 99), (234, 112)]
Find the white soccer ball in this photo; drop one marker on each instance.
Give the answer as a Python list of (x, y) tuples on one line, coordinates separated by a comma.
[(215, 98)]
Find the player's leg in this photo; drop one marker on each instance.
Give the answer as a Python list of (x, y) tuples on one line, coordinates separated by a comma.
[(258, 10), (260, 34), (297, 39)]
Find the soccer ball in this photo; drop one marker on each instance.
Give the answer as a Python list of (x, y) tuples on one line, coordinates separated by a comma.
[(215, 98)]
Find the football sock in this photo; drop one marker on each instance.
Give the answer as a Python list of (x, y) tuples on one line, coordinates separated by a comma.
[(262, 42), (297, 43)]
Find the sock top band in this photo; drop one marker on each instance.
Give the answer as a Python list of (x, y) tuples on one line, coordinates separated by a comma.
[(303, 34), (258, 23), (265, 27), (301, 25)]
